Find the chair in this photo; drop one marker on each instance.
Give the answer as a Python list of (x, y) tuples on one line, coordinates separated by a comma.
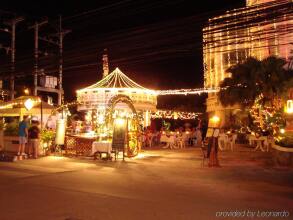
[(222, 140), (268, 142), (180, 142), (260, 141), (185, 139), (115, 151), (171, 142), (251, 138), (152, 140), (231, 141)]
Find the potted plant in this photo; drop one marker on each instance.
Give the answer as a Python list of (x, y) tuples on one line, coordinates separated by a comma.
[(47, 138), (285, 140)]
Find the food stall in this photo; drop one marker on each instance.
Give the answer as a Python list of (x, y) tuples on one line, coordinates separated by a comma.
[(13, 112), (114, 98)]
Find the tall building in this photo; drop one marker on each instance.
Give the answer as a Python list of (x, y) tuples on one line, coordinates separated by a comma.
[(261, 29)]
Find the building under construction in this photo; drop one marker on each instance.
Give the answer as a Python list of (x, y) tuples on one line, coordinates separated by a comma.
[(261, 29)]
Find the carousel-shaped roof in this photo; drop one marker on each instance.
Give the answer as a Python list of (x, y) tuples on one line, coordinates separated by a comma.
[(115, 80), (116, 83)]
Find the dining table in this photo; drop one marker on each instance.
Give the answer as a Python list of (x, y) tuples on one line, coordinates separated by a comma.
[(259, 142), (168, 139), (102, 147)]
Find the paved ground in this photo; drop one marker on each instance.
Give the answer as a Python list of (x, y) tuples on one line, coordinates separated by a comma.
[(161, 184)]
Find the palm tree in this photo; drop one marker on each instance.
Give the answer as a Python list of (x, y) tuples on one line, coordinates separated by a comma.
[(272, 79), (241, 88), (254, 78), (257, 85)]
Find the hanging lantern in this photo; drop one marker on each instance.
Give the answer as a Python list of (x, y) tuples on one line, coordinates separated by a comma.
[(28, 104)]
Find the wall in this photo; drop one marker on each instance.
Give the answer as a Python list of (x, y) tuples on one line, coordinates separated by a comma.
[(241, 33)]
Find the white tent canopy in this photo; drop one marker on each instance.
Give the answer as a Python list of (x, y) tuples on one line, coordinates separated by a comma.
[(116, 79), (116, 83)]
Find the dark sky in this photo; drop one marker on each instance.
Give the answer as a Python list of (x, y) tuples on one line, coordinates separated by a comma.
[(156, 43)]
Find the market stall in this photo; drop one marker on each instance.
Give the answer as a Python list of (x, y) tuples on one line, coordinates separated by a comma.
[(106, 104), (26, 105), (12, 112)]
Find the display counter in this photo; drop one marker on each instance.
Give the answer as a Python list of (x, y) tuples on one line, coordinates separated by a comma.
[(79, 144)]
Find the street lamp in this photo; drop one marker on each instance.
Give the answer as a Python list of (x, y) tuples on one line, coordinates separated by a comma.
[(26, 91), (214, 121)]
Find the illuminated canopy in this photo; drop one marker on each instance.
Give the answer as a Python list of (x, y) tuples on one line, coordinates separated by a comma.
[(99, 94), (116, 79)]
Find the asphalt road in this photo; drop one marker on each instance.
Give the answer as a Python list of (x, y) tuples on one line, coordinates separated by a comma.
[(160, 184)]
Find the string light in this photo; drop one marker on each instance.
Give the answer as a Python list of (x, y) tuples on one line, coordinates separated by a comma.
[(266, 117), (236, 35), (187, 91), (20, 101), (174, 115), (116, 83)]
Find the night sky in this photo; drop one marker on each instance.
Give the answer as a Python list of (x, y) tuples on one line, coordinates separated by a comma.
[(156, 43)]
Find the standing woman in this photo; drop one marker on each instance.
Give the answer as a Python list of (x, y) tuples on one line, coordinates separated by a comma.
[(34, 136), (213, 156)]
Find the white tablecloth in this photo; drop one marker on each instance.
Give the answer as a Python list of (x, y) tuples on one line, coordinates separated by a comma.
[(101, 146), (259, 141), (165, 138), (252, 138)]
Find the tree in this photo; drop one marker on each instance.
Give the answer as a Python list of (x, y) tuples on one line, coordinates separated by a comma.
[(253, 78), (257, 86), (272, 79), (241, 88)]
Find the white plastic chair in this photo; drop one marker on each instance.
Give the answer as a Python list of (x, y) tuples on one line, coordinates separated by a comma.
[(268, 142), (222, 141), (232, 141)]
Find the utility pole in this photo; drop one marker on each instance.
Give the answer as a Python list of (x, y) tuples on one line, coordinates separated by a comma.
[(36, 56), (12, 60), (61, 35), (57, 40), (36, 53), (12, 23)]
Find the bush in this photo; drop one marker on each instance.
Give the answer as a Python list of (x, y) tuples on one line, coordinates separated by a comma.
[(47, 136), (11, 129), (285, 140)]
